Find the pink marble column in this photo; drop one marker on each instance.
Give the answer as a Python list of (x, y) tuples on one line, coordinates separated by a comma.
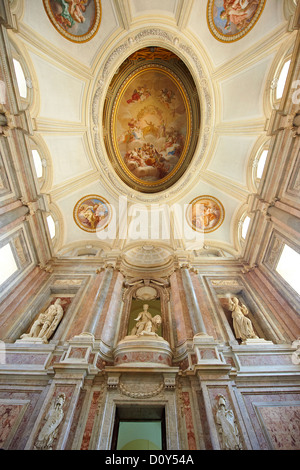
[(179, 309), (107, 327)]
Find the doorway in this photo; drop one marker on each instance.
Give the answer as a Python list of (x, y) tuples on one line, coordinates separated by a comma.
[(139, 428)]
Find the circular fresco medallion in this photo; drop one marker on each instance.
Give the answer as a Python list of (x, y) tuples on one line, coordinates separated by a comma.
[(76, 20), (92, 213), (205, 214), (230, 20), (150, 131)]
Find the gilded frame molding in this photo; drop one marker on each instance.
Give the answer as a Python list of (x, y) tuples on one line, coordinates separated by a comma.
[(113, 148), (215, 31), (73, 37)]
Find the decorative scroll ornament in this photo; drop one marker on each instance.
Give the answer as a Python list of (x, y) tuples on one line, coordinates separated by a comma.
[(149, 394)]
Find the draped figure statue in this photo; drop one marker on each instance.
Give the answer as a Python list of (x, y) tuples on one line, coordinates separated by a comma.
[(146, 324), (242, 325), (46, 323)]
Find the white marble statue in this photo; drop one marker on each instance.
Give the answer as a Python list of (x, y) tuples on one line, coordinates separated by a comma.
[(229, 434), (241, 323), (146, 324), (50, 429), (46, 323)]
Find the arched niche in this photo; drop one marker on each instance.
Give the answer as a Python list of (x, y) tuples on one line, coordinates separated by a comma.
[(155, 293)]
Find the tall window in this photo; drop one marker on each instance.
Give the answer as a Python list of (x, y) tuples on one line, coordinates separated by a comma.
[(261, 164), (37, 163), (20, 79), (288, 267), (245, 227), (282, 79), (8, 263), (51, 226)]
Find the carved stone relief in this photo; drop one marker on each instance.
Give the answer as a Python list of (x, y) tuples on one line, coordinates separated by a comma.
[(50, 429), (227, 427)]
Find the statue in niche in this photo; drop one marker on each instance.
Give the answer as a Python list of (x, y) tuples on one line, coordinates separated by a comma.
[(46, 323), (241, 323), (229, 433), (146, 324), (50, 429)]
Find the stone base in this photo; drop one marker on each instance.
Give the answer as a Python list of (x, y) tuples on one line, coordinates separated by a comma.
[(256, 342), (30, 339), (145, 351), (206, 350)]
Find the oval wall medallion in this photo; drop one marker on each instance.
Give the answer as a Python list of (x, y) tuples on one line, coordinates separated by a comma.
[(76, 20), (205, 214), (150, 123), (231, 20), (92, 213)]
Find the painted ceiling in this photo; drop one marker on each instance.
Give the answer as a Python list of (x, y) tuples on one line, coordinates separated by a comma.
[(71, 98)]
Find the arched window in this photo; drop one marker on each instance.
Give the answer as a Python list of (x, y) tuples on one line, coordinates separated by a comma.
[(21, 80), (279, 79), (282, 79), (51, 226), (259, 160), (245, 227), (261, 163), (37, 163)]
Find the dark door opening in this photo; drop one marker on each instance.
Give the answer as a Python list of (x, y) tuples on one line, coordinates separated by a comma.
[(139, 428)]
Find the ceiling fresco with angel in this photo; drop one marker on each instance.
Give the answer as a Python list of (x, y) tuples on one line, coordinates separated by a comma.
[(151, 127)]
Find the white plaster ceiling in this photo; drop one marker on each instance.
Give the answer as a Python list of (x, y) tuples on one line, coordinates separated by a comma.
[(64, 75)]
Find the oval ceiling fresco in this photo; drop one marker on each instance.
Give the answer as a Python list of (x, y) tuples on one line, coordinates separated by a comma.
[(92, 213), (152, 120), (231, 20), (76, 20), (205, 214)]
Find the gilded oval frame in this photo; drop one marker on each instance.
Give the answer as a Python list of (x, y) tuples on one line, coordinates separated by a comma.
[(213, 14), (56, 19), (118, 159), (83, 226), (218, 214)]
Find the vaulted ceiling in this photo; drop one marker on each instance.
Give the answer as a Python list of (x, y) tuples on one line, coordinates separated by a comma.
[(70, 82)]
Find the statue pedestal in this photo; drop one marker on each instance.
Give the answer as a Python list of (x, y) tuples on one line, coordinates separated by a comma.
[(32, 340), (143, 351), (256, 342), (207, 353)]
